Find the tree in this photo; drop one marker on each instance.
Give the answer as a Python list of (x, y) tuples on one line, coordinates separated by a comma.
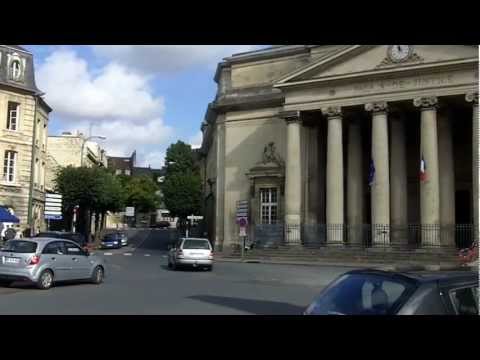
[(142, 193), (182, 187), (93, 189)]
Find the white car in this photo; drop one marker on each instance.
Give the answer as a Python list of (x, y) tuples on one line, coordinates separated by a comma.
[(196, 252)]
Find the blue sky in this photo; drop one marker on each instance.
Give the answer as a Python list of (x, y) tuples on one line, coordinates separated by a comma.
[(140, 97)]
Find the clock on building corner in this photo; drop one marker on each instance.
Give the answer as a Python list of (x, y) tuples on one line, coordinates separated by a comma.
[(399, 53)]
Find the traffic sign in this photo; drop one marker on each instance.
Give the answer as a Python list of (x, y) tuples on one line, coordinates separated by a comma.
[(53, 217), (129, 211), (194, 217)]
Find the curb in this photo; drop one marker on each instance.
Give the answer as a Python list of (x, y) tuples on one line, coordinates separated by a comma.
[(382, 266)]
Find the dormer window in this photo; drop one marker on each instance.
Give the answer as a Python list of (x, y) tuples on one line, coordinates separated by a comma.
[(15, 70)]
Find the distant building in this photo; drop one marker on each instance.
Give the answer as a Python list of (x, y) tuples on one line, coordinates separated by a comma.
[(66, 150), (122, 165), (23, 137), (127, 166)]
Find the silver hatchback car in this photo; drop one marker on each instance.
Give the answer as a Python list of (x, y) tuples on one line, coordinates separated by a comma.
[(45, 261), (196, 252)]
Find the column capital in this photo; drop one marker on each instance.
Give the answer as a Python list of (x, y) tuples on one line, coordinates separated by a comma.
[(426, 102), (332, 111), (292, 116), (380, 106), (472, 97)]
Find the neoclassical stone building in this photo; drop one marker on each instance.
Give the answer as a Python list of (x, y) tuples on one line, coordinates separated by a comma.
[(23, 138), (344, 144)]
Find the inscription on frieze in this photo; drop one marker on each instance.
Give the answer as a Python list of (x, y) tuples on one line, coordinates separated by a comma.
[(403, 84)]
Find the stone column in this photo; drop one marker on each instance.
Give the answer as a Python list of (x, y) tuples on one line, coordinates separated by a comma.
[(355, 216), (430, 188), (473, 98), (334, 177), (293, 180), (381, 181), (398, 180), (447, 179)]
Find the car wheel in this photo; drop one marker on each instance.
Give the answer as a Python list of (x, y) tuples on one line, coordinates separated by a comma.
[(45, 280), (174, 266), (210, 268), (98, 275), (169, 264)]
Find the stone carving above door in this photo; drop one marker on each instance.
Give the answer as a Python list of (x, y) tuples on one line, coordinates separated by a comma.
[(270, 155)]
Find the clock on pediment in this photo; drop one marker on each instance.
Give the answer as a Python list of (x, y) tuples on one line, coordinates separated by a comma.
[(399, 53)]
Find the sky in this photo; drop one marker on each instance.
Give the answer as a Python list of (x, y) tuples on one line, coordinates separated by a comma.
[(140, 97)]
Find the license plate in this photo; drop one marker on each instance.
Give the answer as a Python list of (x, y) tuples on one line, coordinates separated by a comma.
[(9, 260)]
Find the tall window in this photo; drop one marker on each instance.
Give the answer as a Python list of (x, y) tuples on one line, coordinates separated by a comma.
[(15, 69), (12, 115), (269, 205), (9, 166)]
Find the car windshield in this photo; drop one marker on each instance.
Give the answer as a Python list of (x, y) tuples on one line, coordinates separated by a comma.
[(196, 244), (19, 246), (361, 294), (111, 237)]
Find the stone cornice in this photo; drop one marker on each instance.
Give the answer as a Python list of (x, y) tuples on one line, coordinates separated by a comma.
[(248, 102), (426, 102)]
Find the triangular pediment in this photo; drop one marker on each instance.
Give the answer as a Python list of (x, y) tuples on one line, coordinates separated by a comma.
[(360, 60)]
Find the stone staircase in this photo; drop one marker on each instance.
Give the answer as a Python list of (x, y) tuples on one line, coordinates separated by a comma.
[(342, 254)]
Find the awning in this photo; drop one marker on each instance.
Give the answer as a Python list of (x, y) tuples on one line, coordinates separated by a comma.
[(6, 217)]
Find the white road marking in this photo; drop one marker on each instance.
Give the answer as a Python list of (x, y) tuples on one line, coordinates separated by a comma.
[(128, 254), (147, 254), (164, 256), (107, 254)]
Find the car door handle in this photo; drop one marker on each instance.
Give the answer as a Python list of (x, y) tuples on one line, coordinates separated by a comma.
[(54, 258)]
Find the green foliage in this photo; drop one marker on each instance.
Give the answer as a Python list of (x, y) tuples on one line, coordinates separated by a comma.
[(182, 187), (179, 158), (90, 188), (182, 193), (141, 192)]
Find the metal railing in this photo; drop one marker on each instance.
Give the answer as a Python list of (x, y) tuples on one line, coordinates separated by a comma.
[(411, 236)]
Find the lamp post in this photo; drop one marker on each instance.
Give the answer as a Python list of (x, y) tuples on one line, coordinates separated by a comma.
[(85, 141)]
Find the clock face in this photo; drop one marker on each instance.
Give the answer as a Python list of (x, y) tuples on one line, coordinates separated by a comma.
[(399, 53)]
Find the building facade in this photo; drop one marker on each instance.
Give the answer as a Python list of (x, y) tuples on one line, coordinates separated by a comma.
[(23, 134), (68, 149), (345, 145)]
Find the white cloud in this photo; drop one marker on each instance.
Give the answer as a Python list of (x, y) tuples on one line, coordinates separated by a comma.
[(163, 58), (196, 140), (116, 101), (115, 92)]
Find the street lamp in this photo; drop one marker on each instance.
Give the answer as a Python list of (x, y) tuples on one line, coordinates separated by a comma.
[(85, 141)]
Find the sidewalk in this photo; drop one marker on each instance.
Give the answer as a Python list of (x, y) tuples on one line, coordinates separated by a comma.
[(339, 263)]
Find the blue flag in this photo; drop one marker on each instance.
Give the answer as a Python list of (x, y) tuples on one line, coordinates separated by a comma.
[(371, 173)]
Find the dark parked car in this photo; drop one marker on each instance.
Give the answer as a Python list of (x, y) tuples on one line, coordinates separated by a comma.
[(76, 237), (376, 292), (112, 241), (161, 225)]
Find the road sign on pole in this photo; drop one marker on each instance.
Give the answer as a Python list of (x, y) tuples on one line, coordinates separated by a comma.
[(53, 206), (129, 211)]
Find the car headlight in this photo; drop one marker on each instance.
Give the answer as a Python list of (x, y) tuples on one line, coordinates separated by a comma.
[(115, 242)]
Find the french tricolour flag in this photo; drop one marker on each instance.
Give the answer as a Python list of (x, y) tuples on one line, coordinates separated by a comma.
[(423, 170)]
